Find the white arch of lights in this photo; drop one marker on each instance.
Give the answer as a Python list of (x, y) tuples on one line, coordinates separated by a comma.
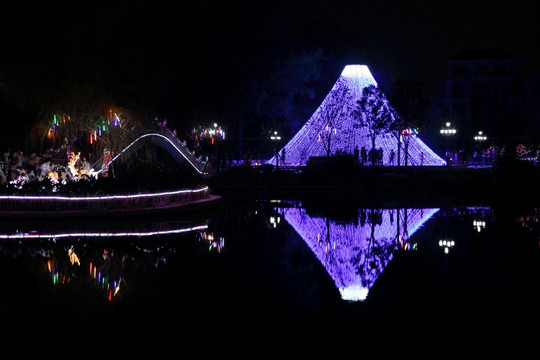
[(100, 234), (98, 198), (163, 137)]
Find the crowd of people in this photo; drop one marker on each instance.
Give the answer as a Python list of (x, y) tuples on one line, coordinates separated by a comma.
[(16, 167)]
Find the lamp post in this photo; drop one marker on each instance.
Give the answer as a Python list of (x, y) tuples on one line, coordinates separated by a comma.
[(275, 136), (448, 131), (479, 138)]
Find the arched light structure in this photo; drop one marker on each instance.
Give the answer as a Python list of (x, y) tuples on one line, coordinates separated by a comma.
[(200, 167)]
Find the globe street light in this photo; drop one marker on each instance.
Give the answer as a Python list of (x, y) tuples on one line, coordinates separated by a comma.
[(480, 137), (275, 136), (448, 131)]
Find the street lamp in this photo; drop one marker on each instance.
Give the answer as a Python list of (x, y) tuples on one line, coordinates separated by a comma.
[(480, 137), (446, 245), (275, 136), (479, 225), (448, 131)]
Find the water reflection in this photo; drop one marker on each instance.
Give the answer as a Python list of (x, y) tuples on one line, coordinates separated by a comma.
[(82, 251), (355, 253), (291, 257), (66, 228)]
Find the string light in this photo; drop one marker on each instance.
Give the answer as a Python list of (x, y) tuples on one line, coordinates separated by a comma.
[(199, 167), (346, 134), (101, 234), (98, 198), (346, 250)]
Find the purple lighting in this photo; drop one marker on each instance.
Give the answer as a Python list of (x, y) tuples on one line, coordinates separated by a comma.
[(354, 255), (346, 132)]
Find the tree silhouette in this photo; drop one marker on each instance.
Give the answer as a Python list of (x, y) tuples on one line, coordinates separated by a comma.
[(373, 112), (333, 110), (410, 104)]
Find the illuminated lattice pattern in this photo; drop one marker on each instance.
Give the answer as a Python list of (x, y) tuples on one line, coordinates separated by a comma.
[(347, 134), (354, 255)]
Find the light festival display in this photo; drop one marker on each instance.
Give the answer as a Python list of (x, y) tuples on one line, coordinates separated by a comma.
[(355, 254), (181, 150), (98, 234), (99, 198), (105, 126), (70, 253), (347, 134)]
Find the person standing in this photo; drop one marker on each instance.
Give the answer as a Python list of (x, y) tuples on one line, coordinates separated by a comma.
[(363, 155)]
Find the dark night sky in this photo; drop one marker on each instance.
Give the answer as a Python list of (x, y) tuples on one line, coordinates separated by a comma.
[(414, 38), (180, 52)]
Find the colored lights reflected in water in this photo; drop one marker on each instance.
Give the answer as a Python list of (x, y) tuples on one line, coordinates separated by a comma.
[(82, 252), (355, 253), (280, 257)]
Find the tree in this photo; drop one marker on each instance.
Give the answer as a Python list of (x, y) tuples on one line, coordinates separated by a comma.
[(373, 112), (334, 108), (410, 103)]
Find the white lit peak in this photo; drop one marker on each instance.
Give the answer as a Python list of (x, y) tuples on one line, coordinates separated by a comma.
[(356, 71)]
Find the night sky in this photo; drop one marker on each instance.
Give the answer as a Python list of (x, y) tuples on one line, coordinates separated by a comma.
[(210, 59)]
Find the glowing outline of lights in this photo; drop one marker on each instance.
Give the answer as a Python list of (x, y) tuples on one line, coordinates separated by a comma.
[(97, 198), (162, 136), (102, 234), (305, 143), (351, 285)]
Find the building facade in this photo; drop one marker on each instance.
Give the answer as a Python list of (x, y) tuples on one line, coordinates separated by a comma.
[(480, 94)]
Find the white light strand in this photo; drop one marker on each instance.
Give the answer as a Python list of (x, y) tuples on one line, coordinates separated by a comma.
[(161, 136), (100, 234), (97, 198)]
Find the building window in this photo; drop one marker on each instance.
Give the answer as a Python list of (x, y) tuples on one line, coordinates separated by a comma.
[(458, 90), (482, 71)]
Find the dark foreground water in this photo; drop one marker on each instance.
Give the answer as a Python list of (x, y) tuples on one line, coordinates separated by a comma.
[(293, 263)]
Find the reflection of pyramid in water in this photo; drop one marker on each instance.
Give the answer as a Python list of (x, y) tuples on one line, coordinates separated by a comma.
[(307, 142), (354, 255)]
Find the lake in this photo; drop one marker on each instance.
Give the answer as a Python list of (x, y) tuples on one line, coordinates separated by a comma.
[(262, 261)]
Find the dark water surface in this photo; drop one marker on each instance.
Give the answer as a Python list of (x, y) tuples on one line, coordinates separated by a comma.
[(256, 263)]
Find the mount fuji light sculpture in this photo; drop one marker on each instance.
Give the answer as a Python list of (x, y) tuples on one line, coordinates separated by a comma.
[(354, 254), (333, 128)]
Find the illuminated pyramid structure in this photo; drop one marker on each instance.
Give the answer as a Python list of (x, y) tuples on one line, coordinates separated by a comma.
[(355, 254), (348, 134)]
